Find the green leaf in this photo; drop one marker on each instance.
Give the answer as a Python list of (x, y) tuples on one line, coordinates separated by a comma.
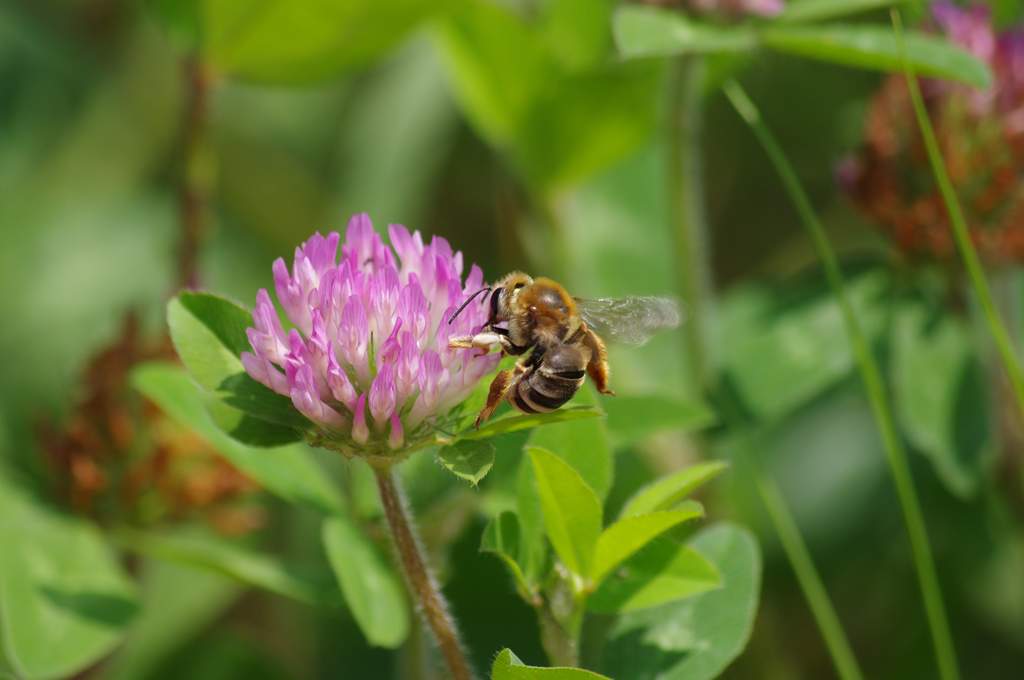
[(198, 340), (941, 396), (586, 121), (534, 551), (650, 31), (209, 335), (178, 603), (800, 327), (667, 492), (498, 67), (513, 422), (697, 638), (288, 471), (577, 32), (583, 444), (249, 429), (371, 589), (507, 666), (222, 317), (528, 504), (622, 539), (470, 460), (875, 47), (807, 11), (285, 42), (662, 572), (244, 394), (631, 418), (65, 601), (202, 548), (571, 510), (557, 110), (501, 537)]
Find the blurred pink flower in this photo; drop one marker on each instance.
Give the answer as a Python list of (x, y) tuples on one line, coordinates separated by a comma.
[(735, 8), (368, 360), (971, 28)]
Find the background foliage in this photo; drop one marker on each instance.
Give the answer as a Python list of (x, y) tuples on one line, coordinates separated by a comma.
[(515, 130)]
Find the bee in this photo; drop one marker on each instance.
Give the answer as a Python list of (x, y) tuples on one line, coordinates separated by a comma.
[(559, 337)]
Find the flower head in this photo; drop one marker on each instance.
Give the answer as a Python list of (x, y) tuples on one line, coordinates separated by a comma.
[(981, 133), (367, 361)]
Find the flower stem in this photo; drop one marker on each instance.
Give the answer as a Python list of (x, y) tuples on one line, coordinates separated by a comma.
[(972, 263), (420, 581), (194, 187), (872, 377), (686, 207)]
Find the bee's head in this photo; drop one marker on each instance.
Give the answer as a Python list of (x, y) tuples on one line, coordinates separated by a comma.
[(500, 297), (506, 291)]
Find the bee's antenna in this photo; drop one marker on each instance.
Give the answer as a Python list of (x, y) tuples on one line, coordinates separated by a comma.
[(466, 303)]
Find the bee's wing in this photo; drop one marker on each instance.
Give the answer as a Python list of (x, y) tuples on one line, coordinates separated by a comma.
[(629, 320)]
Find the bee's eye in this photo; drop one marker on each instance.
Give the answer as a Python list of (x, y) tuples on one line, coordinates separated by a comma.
[(518, 285)]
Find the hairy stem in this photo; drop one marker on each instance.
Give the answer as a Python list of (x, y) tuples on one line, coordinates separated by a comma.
[(194, 186), (871, 375), (560, 645), (420, 581), (686, 207)]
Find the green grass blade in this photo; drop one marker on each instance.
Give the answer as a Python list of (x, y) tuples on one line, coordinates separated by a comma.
[(809, 11), (873, 384), (972, 263), (807, 575)]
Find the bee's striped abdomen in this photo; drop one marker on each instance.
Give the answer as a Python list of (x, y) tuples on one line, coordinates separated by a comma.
[(552, 382)]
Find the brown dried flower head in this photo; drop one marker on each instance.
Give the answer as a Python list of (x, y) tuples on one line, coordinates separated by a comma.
[(119, 459), (981, 134)]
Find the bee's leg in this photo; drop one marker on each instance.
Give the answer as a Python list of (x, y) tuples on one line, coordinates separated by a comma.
[(486, 341), (597, 367), (499, 388), (509, 347), (478, 341)]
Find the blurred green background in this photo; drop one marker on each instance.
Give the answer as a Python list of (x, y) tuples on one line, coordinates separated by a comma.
[(511, 129)]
